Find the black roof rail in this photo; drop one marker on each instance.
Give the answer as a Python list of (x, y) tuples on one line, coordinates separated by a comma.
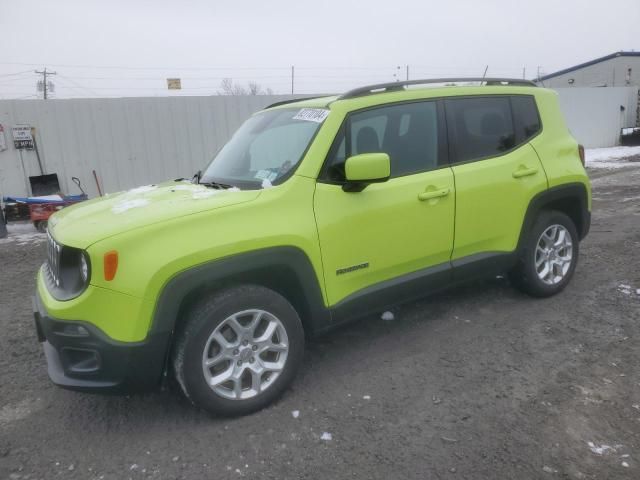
[(293, 100), (393, 86)]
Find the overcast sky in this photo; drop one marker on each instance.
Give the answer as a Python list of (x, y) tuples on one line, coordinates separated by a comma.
[(334, 45)]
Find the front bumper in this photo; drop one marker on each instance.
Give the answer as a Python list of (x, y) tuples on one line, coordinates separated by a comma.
[(82, 357)]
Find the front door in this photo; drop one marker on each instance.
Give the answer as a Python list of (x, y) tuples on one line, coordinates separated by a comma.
[(391, 231)]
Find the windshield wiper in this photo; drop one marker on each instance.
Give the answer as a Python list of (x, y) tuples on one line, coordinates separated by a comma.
[(198, 176), (223, 186)]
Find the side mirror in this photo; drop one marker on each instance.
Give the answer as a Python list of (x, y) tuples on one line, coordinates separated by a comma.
[(366, 168)]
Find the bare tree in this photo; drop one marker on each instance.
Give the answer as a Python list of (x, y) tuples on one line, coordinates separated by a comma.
[(229, 87), (254, 88)]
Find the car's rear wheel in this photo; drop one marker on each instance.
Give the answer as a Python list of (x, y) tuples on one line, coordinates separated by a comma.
[(549, 255), (239, 350)]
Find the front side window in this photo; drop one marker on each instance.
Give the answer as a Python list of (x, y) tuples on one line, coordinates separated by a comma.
[(268, 146), (408, 133), (482, 127)]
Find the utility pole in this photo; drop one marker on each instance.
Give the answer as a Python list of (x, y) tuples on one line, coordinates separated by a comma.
[(45, 82), (292, 78), (407, 73)]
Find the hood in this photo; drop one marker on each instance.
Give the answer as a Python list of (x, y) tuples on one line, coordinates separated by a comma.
[(88, 222)]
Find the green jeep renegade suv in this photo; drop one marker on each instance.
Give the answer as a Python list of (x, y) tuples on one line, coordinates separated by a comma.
[(316, 212)]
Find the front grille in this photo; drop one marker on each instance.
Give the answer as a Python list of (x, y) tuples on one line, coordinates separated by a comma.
[(54, 252)]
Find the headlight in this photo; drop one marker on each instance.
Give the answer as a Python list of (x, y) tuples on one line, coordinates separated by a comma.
[(68, 270), (84, 268)]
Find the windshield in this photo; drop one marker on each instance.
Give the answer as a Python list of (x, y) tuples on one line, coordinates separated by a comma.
[(265, 149)]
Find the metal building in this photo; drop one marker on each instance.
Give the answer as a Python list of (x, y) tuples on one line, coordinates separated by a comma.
[(620, 69)]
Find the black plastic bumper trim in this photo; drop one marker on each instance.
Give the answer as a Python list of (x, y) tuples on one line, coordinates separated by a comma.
[(120, 367)]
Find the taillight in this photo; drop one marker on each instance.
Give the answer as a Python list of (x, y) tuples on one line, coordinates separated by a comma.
[(110, 265), (581, 153)]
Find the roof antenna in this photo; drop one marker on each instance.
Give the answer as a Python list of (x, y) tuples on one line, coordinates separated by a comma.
[(484, 74)]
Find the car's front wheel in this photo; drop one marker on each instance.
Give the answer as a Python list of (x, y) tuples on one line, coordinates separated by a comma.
[(239, 350), (549, 255)]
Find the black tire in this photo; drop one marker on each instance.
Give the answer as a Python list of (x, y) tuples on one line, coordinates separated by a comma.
[(524, 275), (205, 316)]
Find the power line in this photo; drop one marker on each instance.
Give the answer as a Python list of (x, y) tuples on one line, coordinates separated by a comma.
[(281, 68), (120, 67), (15, 74), (12, 82), (307, 79), (78, 86), (163, 78)]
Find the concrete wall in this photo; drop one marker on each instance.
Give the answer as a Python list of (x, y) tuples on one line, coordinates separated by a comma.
[(128, 141), (609, 73), (594, 116)]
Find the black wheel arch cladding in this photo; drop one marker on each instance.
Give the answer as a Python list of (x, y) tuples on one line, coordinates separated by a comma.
[(570, 199), (286, 270)]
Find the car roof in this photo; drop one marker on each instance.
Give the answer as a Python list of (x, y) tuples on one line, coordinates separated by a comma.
[(428, 88)]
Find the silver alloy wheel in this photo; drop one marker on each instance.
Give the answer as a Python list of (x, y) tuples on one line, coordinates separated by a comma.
[(554, 254), (245, 354)]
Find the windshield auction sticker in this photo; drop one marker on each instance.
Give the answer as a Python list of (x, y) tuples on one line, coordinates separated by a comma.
[(312, 115)]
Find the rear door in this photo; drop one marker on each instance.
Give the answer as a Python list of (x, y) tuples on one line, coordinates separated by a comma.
[(390, 229), (497, 172)]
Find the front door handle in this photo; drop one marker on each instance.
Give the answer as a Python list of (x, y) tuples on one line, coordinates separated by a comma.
[(431, 194), (524, 172)]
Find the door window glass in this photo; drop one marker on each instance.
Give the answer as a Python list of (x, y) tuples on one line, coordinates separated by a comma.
[(525, 114), (482, 127), (408, 133)]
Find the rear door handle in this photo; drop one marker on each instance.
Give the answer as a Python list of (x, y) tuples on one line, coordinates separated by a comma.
[(524, 172), (431, 194)]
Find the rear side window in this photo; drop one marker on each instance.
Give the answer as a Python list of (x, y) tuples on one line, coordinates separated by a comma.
[(525, 114), (482, 127), (408, 133)]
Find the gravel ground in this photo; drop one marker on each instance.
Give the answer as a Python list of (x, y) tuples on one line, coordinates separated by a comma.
[(478, 383)]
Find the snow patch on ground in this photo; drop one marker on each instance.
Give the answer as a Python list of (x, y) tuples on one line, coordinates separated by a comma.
[(602, 449), (610, 157), (21, 227), (11, 413), (295, 413), (326, 436), (628, 289), (125, 205), (387, 316), (23, 234)]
